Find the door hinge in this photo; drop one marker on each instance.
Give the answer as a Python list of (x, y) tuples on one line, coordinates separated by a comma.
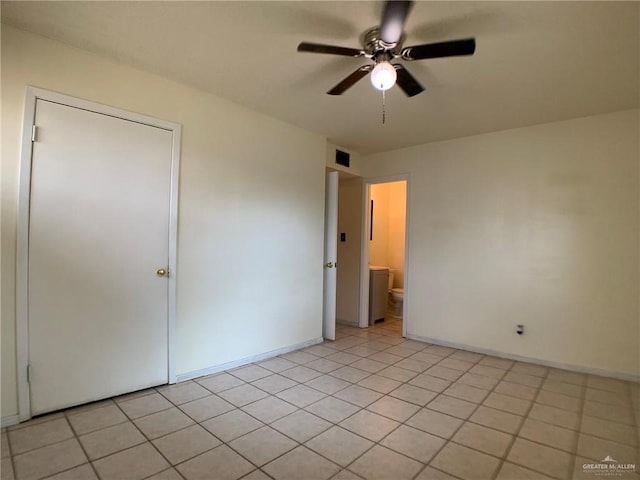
[(34, 131), (28, 373)]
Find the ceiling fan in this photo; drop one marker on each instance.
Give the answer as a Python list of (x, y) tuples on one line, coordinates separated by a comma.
[(383, 45)]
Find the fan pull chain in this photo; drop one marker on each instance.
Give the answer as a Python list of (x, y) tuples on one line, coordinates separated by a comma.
[(384, 113)]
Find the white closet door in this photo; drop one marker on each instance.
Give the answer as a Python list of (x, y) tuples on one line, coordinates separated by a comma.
[(99, 231)]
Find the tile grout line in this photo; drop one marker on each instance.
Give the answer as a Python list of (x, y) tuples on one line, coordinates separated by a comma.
[(450, 439), (605, 419), (377, 443), (225, 443), (360, 408), (576, 430), (525, 416), (374, 443), (333, 424), (298, 444), (402, 423), (148, 440), (74, 436), (447, 440), (583, 402), (11, 456), (77, 439), (236, 407)]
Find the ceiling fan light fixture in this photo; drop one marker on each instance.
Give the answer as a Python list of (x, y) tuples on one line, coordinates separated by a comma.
[(384, 44), (383, 76)]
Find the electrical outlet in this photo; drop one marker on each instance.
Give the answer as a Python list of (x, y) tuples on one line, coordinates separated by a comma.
[(520, 329)]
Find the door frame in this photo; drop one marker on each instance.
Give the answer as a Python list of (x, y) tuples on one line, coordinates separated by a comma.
[(363, 321), (22, 248)]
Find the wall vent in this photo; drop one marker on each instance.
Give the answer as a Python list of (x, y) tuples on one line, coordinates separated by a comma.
[(342, 158)]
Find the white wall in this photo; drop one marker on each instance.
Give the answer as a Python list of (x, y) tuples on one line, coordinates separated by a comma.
[(354, 167), (349, 252), (250, 248), (537, 226)]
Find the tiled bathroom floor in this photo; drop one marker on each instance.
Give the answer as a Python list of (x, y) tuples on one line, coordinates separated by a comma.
[(370, 405)]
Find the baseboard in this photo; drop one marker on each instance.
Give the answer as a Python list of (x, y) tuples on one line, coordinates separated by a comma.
[(244, 361), (8, 421), (347, 323), (564, 366)]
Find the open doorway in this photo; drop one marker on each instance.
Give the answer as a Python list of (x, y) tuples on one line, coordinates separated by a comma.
[(383, 293)]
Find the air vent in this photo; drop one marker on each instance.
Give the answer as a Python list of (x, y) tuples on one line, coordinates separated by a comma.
[(342, 158)]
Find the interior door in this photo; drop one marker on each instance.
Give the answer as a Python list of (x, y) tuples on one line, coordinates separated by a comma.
[(98, 234), (330, 256)]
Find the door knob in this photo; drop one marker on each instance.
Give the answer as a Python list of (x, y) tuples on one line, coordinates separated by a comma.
[(329, 265), (161, 272)]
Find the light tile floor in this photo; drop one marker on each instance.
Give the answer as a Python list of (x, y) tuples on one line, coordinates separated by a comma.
[(369, 405)]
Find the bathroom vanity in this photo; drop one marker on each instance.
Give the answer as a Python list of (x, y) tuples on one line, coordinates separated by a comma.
[(378, 293)]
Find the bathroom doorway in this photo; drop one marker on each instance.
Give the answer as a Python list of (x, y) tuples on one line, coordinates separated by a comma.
[(383, 295)]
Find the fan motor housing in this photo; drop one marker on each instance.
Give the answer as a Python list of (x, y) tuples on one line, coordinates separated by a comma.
[(373, 45)]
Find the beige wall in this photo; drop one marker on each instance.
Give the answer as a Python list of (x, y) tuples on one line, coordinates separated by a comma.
[(251, 208), (535, 226), (379, 243), (350, 199), (397, 221), (388, 244)]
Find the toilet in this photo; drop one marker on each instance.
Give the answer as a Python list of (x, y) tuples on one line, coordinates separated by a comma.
[(397, 295)]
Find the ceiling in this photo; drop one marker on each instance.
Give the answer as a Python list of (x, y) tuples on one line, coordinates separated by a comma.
[(535, 62)]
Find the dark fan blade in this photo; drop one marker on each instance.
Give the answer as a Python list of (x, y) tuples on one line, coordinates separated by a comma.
[(393, 19), (331, 49), (348, 82), (407, 82), (435, 50)]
